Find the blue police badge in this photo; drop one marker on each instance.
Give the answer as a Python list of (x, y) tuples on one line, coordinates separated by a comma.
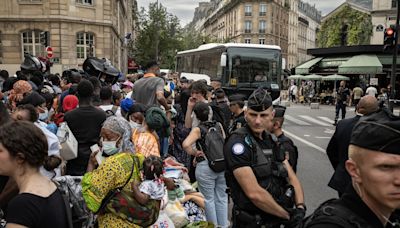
[(238, 149)]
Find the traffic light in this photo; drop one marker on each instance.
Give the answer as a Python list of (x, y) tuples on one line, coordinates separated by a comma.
[(389, 38), (44, 38)]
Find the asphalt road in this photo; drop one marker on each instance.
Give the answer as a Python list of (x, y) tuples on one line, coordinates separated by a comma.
[(311, 130)]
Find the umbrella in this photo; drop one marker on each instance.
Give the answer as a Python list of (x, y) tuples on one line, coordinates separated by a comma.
[(312, 77), (335, 77), (296, 77)]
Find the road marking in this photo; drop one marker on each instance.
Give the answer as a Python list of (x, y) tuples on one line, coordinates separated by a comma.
[(305, 142), (329, 131), (306, 135), (297, 121), (314, 120), (326, 119), (322, 137)]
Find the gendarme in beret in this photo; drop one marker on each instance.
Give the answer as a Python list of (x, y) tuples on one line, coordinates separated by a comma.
[(259, 100), (379, 131)]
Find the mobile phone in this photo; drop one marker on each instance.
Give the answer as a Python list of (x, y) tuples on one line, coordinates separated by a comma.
[(95, 148)]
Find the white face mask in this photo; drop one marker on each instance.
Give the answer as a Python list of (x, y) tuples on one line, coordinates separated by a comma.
[(134, 125)]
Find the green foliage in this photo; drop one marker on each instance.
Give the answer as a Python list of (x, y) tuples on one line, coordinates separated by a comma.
[(159, 37), (359, 29)]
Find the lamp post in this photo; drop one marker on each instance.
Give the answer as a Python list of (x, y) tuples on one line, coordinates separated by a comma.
[(394, 63), (157, 33)]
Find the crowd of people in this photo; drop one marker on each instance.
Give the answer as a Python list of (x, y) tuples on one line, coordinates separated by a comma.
[(156, 149)]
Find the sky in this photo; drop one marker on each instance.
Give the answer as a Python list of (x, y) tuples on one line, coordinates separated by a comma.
[(184, 9)]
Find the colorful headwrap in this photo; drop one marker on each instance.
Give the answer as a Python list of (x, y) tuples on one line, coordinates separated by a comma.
[(121, 126), (20, 88)]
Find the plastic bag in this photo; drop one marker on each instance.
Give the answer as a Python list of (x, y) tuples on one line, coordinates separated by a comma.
[(163, 221), (177, 213)]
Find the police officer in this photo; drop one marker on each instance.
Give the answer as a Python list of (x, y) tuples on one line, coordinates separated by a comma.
[(374, 167), (236, 104), (285, 142), (264, 188)]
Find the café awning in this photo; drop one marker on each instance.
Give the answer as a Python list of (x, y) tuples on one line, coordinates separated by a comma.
[(361, 64), (305, 67)]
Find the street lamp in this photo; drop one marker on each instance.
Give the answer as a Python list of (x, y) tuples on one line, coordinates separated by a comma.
[(157, 33)]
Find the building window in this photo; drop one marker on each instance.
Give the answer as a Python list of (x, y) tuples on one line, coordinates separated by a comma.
[(247, 26), (85, 2), (394, 3), (247, 41), (247, 10), (29, 1), (31, 43), (261, 41), (262, 26), (84, 45), (263, 9)]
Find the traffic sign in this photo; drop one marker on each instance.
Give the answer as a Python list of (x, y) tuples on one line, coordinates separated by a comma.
[(49, 51)]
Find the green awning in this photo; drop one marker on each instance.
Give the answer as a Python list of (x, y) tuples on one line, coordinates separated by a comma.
[(387, 59), (305, 67), (361, 64)]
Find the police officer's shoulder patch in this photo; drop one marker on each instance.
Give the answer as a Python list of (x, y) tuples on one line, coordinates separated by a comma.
[(238, 149)]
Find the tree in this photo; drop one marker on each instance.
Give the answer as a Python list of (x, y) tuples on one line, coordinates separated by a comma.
[(349, 25), (159, 36)]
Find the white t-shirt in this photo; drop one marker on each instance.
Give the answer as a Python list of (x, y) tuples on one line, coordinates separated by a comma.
[(371, 91), (293, 89), (110, 107), (153, 188)]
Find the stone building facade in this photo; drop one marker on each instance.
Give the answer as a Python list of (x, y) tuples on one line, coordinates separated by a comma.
[(383, 15), (77, 29), (250, 21), (309, 20)]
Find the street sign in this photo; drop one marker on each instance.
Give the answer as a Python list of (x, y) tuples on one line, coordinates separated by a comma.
[(49, 51), (373, 81)]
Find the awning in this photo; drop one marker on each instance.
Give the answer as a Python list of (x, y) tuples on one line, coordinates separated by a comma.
[(361, 64), (305, 67)]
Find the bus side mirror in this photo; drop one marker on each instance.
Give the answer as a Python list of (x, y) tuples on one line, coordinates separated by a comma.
[(223, 60)]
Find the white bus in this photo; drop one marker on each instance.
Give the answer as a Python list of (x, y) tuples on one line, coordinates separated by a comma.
[(241, 68)]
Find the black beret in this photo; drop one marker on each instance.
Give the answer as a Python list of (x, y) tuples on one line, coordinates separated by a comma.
[(237, 97), (259, 100), (279, 110), (379, 131)]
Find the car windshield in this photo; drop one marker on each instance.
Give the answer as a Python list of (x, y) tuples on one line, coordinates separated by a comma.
[(252, 65)]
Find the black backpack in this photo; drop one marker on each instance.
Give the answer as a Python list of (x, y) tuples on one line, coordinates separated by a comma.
[(333, 212), (212, 144)]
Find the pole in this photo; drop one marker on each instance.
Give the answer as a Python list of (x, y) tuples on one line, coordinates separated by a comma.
[(157, 33), (394, 63)]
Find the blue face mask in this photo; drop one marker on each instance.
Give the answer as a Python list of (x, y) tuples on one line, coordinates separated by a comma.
[(44, 116), (110, 147)]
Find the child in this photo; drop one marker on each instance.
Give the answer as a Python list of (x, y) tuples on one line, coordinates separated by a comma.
[(152, 187)]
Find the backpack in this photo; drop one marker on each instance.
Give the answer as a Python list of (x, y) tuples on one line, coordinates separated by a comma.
[(212, 144), (112, 111), (219, 116), (333, 212), (77, 212)]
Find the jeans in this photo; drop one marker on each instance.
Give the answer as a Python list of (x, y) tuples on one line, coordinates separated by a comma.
[(213, 186), (340, 106)]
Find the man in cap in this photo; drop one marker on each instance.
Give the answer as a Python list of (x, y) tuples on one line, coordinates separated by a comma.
[(285, 142), (374, 164), (236, 104), (337, 149), (264, 187)]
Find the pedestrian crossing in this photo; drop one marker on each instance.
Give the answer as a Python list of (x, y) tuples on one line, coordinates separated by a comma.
[(305, 120)]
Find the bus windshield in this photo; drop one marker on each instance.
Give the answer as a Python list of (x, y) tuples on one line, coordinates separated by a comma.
[(254, 65)]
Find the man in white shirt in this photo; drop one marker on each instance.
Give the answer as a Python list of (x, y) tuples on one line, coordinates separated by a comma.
[(371, 91), (293, 92)]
